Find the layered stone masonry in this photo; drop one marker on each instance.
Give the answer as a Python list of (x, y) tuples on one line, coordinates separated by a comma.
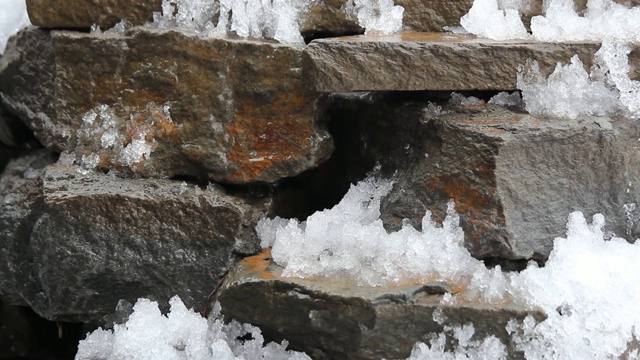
[(73, 242), (434, 61)]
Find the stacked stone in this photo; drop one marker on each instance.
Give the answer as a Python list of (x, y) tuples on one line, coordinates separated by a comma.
[(165, 136)]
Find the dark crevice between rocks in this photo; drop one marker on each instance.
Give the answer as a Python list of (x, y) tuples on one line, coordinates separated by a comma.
[(25, 335), (372, 129), (16, 139), (309, 36)]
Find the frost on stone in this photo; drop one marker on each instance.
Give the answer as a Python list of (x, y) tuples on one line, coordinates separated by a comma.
[(181, 334), (272, 19), (487, 19), (376, 16), (13, 17), (121, 141), (572, 92)]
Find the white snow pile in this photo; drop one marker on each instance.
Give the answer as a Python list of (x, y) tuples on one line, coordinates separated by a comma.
[(376, 16), (572, 92), (588, 288), (603, 19), (323, 245), (181, 334), (466, 348), (488, 19), (280, 20), (13, 18)]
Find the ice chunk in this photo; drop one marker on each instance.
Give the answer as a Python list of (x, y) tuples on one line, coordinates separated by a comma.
[(324, 244), (13, 17), (487, 19), (511, 100), (137, 151), (272, 19), (568, 92), (187, 14), (488, 348), (182, 334), (571, 92), (376, 16), (603, 19), (459, 99), (612, 66)]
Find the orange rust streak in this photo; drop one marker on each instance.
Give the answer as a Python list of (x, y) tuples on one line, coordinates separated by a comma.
[(258, 265)]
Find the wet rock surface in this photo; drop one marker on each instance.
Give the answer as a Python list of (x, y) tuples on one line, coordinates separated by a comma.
[(76, 244), (514, 177), (119, 104), (334, 319), (432, 61)]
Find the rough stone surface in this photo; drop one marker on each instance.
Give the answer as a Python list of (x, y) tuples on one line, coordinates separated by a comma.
[(514, 178), (84, 14), (21, 204), (335, 319), (432, 61), (210, 108), (74, 245)]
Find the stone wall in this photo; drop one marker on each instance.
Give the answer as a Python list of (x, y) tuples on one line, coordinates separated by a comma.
[(138, 164)]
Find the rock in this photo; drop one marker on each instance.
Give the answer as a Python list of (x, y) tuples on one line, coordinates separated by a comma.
[(84, 14), (21, 205), (514, 178), (335, 319), (91, 240), (211, 108), (432, 61)]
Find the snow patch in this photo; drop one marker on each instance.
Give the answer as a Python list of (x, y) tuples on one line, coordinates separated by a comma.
[(13, 18), (181, 334)]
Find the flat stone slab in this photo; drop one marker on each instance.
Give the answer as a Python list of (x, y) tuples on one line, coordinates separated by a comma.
[(433, 61), (336, 319), (210, 108), (84, 14), (72, 245)]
